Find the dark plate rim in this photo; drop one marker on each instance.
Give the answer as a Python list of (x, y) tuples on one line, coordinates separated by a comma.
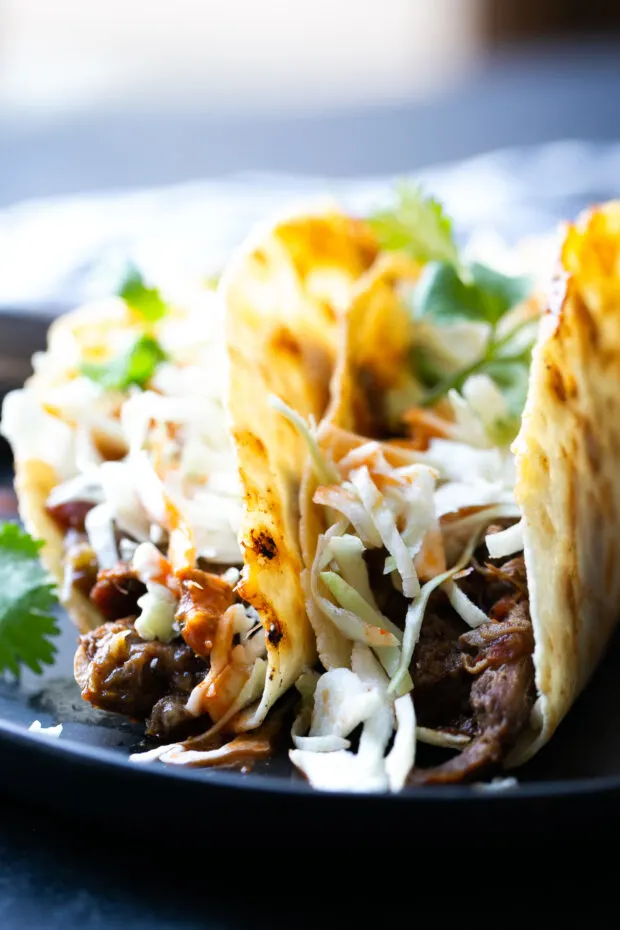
[(62, 750)]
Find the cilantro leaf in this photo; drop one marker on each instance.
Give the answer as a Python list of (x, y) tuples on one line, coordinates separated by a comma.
[(146, 301), (136, 366), (499, 291), (27, 600), (417, 225), (479, 294), (443, 296)]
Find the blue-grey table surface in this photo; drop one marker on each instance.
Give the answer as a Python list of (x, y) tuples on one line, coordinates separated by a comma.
[(56, 872)]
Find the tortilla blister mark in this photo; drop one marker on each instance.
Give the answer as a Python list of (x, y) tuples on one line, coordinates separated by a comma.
[(568, 484), (373, 344), (283, 293)]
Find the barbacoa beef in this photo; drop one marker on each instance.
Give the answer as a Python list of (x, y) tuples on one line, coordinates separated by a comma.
[(116, 592), (120, 672), (481, 682)]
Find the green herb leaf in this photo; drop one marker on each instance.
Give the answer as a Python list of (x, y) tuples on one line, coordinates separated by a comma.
[(443, 294), (136, 366), (416, 225), (500, 292), (26, 602), (146, 301), (444, 297)]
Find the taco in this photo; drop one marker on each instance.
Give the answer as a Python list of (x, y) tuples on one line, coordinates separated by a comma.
[(461, 515), (147, 463)]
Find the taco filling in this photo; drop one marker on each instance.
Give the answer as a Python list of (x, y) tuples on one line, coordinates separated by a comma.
[(166, 490), (126, 423), (421, 573), (415, 575)]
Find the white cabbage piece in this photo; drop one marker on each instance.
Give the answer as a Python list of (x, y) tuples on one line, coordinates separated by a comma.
[(53, 731), (383, 519), (465, 608), (157, 610), (99, 525), (507, 542), (369, 769)]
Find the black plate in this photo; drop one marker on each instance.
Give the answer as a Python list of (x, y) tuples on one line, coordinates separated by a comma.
[(90, 760)]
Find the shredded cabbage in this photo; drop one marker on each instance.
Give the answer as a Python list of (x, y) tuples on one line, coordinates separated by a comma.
[(349, 551), (415, 614), (53, 731), (157, 609), (441, 738), (325, 471), (385, 524), (464, 607), (369, 769), (84, 487), (401, 757), (341, 702), (507, 542), (99, 527), (354, 603), (344, 499)]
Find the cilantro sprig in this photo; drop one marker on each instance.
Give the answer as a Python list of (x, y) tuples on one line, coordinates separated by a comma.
[(138, 363), (417, 225), (450, 291), (27, 599), (145, 301), (135, 366)]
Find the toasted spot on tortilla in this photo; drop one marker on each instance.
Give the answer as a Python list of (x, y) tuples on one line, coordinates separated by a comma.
[(263, 544), (283, 340), (274, 633), (556, 383)]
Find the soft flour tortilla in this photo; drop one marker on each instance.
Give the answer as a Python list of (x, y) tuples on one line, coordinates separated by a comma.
[(372, 360), (567, 452), (568, 483), (283, 293)]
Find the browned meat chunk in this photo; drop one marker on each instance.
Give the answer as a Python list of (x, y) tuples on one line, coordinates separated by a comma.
[(205, 597), (501, 697), (494, 644), (71, 514), (117, 671), (169, 715), (442, 685), (117, 591)]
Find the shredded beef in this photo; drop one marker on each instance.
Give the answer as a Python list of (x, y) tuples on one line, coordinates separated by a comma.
[(480, 682), (441, 683), (117, 591), (501, 702), (169, 715), (120, 672)]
